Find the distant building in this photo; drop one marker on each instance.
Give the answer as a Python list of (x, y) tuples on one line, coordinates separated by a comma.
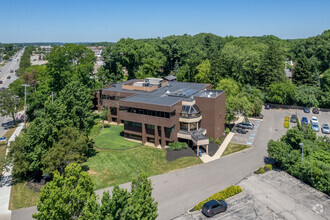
[(46, 49), (160, 112)]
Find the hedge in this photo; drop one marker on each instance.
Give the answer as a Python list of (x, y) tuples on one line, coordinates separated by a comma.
[(222, 195), (178, 146)]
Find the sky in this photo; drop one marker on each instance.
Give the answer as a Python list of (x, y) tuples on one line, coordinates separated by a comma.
[(107, 20)]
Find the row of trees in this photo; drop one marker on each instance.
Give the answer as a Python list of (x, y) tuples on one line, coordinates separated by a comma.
[(60, 102), (315, 167), (71, 196)]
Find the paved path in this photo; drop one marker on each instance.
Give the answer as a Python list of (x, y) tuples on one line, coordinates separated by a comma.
[(5, 182)]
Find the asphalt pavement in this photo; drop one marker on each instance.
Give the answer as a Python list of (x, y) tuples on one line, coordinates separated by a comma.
[(4, 73)]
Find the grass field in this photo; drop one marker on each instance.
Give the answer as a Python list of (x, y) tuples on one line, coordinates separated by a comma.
[(21, 196), (233, 148), (109, 138), (109, 168)]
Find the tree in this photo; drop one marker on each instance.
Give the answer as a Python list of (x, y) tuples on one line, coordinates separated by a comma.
[(65, 196), (272, 69), (8, 104), (281, 93), (230, 86), (104, 114), (303, 71), (203, 72), (71, 147), (308, 95), (141, 205)]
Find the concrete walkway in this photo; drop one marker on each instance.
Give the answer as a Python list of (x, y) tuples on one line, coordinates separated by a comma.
[(206, 158), (6, 181)]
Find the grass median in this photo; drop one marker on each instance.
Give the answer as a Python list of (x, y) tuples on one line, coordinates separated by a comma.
[(234, 147)]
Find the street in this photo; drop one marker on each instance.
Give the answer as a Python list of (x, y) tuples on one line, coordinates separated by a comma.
[(4, 73)]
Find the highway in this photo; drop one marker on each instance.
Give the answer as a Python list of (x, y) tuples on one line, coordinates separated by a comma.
[(4, 73)]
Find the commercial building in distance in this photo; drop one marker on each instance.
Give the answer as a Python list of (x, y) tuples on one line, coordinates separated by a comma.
[(161, 111)]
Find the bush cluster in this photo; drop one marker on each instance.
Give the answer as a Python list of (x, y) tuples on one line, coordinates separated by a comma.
[(219, 141), (287, 122), (222, 195), (227, 130), (211, 140), (268, 167), (178, 146)]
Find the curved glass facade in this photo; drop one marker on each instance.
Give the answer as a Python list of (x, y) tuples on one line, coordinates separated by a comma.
[(190, 111)]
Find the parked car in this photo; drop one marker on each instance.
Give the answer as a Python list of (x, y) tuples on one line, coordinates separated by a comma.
[(8, 77), (267, 106), (214, 207), (314, 119), (244, 125), (304, 120), (315, 111), (241, 131), (2, 88), (293, 119), (315, 126), (11, 71), (307, 110), (325, 129)]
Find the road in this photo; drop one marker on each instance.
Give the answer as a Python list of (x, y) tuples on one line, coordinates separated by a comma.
[(180, 190), (4, 73)]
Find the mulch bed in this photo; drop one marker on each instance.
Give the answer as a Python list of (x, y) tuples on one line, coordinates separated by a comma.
[(36, 185), (213, 147), (176, 154)]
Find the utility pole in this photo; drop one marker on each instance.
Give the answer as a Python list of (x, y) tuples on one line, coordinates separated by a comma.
[(25, 85)]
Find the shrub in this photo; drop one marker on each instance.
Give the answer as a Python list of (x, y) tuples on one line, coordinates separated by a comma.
[(261, 170), (268, 167), (219, 141), (286, 124), (211, 139), (222, 195), (227, 130), (178, 145)]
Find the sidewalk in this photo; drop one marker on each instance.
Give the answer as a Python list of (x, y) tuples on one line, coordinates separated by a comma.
[(206, 158), (6, 181)]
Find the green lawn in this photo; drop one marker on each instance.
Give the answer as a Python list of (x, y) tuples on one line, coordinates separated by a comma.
[(233, 148), (109, 168), (21, 196), (109, 138)]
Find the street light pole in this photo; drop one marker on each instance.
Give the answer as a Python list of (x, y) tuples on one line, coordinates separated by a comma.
[(302, 152), (25, 85)]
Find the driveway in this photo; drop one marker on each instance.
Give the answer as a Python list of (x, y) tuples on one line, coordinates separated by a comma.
[(250, 135), (273, 195), (180, 190)]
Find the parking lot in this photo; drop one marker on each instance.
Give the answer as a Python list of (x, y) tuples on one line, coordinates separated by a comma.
[(273, 195), (250, 135)]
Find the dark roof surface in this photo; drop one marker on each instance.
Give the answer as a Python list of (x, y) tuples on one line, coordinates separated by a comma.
[(170, 78), (158, 96)]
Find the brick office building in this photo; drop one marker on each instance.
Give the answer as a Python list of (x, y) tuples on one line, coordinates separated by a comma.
[(160, 111)]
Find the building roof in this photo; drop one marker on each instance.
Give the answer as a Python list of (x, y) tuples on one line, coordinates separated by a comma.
[(170, 78), (288, 73), (161, 96)]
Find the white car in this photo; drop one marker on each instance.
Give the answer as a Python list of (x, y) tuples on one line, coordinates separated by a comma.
[(314, 119)]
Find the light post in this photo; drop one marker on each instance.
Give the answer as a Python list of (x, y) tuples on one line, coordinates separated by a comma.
[(302, 152), (25, 85)]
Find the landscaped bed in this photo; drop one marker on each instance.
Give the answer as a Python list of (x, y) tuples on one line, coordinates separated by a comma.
[(234, 147), (110, 138)]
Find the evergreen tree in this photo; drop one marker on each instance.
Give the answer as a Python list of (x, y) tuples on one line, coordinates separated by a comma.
[(302, 72)]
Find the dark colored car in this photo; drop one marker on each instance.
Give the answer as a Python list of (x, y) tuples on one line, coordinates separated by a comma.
[(213, 207), (304, 120), (1, 82), (244, 125), (267, 106), (2, 88), (315, 111), (293, 119), (241, 131), (307, 110), (8, 77)]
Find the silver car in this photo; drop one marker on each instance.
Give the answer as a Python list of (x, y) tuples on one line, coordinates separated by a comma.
[(315, 126), (325, 129)]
